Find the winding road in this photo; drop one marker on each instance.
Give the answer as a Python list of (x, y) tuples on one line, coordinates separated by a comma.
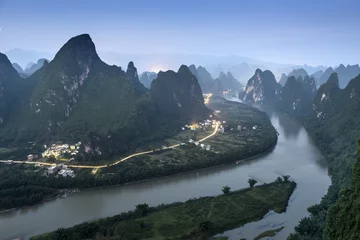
[(120, 160)]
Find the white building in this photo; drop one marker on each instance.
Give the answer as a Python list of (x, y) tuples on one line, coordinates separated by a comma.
[(239, 127), (255, 127), (202, 145), (221, 130), (52, 169), (191, 141), (30, 157), (196, 143), (207, 147)]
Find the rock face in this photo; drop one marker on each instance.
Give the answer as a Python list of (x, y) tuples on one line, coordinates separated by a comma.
[(10, 89), (227, 82), (204, 78), (297, 95), (33, 67), (262, 88), (178, 96), (18, 68), (146, 78), (132, 74), (328, 98)]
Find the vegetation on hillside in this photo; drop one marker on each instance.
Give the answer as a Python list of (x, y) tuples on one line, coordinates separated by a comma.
[(335, 131), (225, 148)]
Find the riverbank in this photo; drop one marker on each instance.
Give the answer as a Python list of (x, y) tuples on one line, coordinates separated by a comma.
[(194, 219), (247, 133)]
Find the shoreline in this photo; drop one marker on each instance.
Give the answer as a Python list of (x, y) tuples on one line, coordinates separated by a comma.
[(146, 180), (186, 172)]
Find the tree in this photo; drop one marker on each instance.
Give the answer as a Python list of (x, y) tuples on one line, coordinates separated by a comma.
[(286, 178), (143, 209), (226, 189), (279, 180), (252, 182)]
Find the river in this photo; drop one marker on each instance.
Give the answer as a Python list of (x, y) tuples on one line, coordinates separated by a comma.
[(295, 154)]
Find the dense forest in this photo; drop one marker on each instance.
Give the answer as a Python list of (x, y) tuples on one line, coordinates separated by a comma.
[(336, 135)]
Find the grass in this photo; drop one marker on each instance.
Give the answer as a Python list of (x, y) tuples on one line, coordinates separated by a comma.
[(269, 233), (194, 219)]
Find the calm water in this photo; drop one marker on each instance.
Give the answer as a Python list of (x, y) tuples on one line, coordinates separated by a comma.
[(294, 155)]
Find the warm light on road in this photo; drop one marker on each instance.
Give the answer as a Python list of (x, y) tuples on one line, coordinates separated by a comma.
[(207, 99), (117, 162)]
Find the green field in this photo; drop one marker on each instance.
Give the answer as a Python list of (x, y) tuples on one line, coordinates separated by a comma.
[(195, 219)]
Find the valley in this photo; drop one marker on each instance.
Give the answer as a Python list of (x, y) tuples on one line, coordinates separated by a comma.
[(293, 154)]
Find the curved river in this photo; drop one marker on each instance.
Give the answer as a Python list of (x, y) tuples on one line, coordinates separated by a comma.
[(295, 155)]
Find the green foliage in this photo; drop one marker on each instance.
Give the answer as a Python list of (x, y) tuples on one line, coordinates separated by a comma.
[(143, 209), (286, 178), (336, 134), (226, 189), (252, 182), (195, 219)]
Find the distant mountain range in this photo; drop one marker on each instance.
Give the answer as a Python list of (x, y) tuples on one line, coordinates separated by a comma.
[(225, 82), (146, 78), (345, 74), (242, 68), (78, 97)]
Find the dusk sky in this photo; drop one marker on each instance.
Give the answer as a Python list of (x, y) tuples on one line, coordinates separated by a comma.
[(297, 32)]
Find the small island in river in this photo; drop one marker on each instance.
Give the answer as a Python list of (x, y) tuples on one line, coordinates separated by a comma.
[(194, 219), (233, 132)]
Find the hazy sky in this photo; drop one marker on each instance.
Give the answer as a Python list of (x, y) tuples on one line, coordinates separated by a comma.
[(286, 31)]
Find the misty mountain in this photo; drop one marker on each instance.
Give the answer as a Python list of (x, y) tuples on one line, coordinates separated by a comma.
[(317, 76), (227, 82), (18, 68), (347, 73), (294, 73), (146, 78), (262, 87), (23, 57), (33, 67), (205, 80)]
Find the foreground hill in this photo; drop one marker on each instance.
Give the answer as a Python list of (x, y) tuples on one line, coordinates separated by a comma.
[(10, 88)]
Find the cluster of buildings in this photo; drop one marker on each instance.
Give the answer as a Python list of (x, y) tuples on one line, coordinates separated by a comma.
[(62, 170), (57, 150), (201, 125), (203, 146)]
